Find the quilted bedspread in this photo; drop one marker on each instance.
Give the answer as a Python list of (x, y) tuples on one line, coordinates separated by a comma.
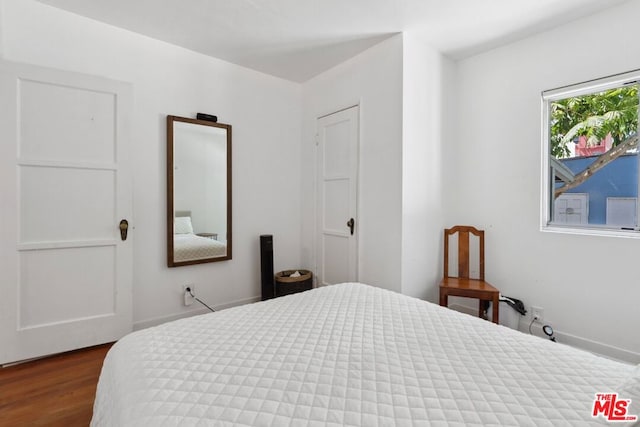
[(188, 247), (348, 354)]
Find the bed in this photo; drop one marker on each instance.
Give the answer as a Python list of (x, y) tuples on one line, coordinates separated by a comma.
[(349, 354), (189, 246)]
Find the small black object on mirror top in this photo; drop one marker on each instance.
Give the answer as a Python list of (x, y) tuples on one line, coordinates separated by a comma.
[(207, 117)]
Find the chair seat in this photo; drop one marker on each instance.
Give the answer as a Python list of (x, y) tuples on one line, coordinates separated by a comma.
[(470, 288)]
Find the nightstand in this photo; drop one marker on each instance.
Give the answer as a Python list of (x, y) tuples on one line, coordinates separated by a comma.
[(213, 236)]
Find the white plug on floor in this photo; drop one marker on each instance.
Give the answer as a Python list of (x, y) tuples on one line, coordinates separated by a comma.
[(189, 294)]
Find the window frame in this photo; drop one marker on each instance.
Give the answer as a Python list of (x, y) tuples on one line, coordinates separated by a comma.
[(547, 97)]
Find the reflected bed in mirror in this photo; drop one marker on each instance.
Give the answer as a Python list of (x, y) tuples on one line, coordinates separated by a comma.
[(198, 191)]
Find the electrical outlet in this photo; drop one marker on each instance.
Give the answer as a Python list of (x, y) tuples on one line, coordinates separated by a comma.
[(537, 313), (189, 297)]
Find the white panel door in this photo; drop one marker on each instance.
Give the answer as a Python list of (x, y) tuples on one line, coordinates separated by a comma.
[(66, 274), (337, 251)]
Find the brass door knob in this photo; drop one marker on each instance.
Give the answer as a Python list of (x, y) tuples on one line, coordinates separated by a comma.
[(124, 227)]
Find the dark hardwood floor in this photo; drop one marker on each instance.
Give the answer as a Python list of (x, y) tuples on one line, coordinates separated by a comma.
[(54, 391)]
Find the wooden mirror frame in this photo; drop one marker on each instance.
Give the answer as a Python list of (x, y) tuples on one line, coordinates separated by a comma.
[(170, 190)]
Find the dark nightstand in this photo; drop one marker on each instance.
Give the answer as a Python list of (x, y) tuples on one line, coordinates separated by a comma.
[(213, 236)]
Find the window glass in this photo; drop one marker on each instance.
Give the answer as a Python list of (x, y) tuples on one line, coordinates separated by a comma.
[(592, 167)]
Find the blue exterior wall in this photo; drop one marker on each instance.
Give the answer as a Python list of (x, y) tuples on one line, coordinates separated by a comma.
[(617, 179)]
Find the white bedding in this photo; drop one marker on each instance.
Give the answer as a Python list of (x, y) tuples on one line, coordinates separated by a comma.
[(347, 354), (187, 247)]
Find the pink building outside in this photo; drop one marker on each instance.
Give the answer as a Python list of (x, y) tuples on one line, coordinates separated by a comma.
[(583, 150)]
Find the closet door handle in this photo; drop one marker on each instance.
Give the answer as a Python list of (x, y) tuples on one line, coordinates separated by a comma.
[(351, 224), (124, 227)]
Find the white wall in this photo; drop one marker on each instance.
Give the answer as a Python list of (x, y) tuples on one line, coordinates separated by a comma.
[(588, 286), (264, 112), (427, 100), (372, 79)]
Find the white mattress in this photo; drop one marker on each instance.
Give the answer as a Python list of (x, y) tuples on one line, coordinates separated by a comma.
[(347, 354), (188, 247)]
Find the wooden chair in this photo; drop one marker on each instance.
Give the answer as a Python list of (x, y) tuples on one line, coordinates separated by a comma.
[(463, 285)]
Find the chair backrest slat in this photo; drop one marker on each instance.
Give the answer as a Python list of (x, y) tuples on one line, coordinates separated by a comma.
[(463, 254), (463, 249)]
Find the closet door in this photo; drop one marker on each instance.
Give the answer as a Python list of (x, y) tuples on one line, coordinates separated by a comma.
[(337, 197), (66, 272)]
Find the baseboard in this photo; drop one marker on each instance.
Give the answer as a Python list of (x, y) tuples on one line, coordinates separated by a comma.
[(605, 350), (464, 309), (143, 324)]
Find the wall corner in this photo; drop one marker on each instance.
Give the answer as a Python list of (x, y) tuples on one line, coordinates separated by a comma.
[(426, 88)]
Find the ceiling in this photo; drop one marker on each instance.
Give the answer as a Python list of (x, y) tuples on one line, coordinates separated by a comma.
[(298, 39)]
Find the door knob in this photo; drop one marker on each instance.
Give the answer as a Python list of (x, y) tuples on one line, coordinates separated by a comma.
[(351, 223), (124, 227)]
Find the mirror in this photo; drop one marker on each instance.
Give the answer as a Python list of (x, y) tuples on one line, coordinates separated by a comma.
[(198, 191)]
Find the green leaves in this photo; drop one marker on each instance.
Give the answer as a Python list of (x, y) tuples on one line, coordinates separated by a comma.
[(594, 116)]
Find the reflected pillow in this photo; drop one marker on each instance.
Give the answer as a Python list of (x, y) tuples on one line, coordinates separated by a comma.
[(182, 225)]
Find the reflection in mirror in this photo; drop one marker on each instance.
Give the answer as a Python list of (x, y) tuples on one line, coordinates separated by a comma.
[(198, 191)]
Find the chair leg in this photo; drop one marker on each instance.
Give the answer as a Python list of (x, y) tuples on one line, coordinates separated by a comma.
[(496, 308), (483, 309), (444, 299)]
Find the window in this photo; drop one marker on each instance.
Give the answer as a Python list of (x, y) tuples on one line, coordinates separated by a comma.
[(590, 161)]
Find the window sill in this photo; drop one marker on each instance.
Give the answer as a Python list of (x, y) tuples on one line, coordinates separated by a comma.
[(591, 231)]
